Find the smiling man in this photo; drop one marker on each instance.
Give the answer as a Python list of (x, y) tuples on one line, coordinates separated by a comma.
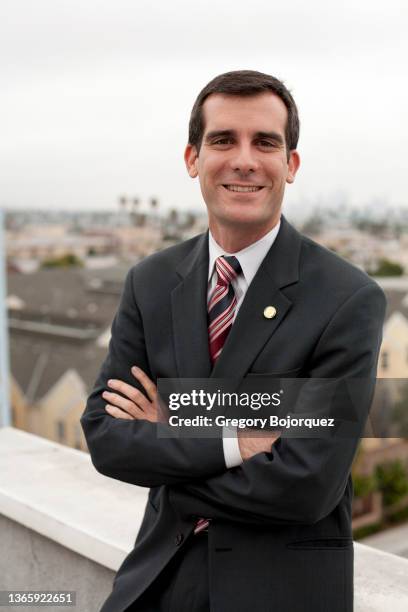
[(233, 522), (243, 163)]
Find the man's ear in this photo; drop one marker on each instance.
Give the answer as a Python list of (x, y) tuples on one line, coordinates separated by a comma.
[(293, 166), (191, 158)]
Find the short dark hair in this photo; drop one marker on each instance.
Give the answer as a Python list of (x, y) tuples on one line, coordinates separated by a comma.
[(244, 83)]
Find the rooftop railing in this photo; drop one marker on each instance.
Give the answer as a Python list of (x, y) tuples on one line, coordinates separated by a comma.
[(63, 526)]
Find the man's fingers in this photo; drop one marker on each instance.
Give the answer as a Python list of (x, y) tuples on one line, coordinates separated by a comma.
[(146, 383), (130, 392), (118, 413), (123, 403), (134, 403)]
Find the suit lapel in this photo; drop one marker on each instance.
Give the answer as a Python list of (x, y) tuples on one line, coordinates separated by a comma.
[(251, 330), (189, 314)]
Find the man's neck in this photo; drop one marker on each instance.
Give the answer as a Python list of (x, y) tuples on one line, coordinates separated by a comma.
[(235, 239)]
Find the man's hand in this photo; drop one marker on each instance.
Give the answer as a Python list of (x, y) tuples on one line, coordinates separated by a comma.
[(248, 447), (134, 405)]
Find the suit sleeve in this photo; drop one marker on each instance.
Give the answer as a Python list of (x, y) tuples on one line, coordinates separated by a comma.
[(131, 451), (302, 479)]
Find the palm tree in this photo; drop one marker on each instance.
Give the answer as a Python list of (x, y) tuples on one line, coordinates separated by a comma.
[(123, 202), (135, 204)]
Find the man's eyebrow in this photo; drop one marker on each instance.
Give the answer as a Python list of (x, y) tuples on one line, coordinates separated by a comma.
[(271, 135), (228, 133), (219, 134)]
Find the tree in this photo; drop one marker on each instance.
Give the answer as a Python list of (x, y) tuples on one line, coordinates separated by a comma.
[(64, 261), (363, 485), (392, 481), (386, 267), (123, 202), (154, 203)]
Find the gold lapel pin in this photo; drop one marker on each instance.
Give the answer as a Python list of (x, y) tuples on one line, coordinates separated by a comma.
[(269, 312)]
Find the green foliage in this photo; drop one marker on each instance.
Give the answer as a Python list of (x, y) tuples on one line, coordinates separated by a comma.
[(363, 485), (386, 267), (399, 517), (64, 261), (363, 532), (392, 481)]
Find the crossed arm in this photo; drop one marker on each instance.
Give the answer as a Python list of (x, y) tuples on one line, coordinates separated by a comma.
[(127, 402), (289, 481)]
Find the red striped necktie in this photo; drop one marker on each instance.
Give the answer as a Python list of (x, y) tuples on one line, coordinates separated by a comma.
[(221, 310), (222, 304)]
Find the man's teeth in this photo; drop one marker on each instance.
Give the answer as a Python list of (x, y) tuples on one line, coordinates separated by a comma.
[(239, 188)]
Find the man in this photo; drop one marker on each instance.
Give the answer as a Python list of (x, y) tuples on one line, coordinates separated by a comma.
[(236, 523)]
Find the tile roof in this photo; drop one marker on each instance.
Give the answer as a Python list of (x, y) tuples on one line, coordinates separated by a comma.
[(59, 299)]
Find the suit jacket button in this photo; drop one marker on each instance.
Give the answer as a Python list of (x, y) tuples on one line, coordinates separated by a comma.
[(178, 539)]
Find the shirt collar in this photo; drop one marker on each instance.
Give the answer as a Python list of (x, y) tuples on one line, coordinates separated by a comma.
[(249, 258)]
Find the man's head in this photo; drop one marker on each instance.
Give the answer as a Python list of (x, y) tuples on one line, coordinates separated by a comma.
[(243, 133), (244, 83)]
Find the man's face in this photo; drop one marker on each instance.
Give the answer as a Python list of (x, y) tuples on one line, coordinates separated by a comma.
[(243, 164)]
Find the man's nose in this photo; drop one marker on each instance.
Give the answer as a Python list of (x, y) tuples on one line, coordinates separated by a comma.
[(244, 160)]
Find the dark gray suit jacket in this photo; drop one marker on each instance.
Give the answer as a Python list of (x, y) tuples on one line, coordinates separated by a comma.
[(280, 538)]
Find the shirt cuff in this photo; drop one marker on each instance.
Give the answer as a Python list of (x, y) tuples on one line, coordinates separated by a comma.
[(230, 446)]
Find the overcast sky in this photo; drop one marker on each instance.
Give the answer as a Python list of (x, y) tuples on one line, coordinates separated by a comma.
[(96, 95)]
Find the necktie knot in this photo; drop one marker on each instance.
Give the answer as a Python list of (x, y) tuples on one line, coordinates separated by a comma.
[(228, 268)]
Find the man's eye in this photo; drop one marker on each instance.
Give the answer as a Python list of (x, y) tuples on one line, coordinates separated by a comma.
[(222, 141), (266, 143)]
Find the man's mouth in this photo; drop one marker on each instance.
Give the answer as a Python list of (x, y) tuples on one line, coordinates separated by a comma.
[(243, 189)]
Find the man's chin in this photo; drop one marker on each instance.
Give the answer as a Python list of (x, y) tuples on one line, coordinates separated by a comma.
[(244, 222), (244, 215)]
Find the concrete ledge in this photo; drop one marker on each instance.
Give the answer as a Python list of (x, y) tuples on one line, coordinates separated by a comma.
[(380, 581), (34, 562), (55, 492)]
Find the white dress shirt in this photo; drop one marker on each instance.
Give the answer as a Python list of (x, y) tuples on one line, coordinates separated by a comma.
[(250, 259)]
